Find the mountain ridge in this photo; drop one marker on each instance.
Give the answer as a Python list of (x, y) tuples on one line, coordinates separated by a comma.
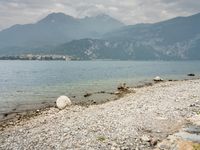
[(173, 39), (55, 29)]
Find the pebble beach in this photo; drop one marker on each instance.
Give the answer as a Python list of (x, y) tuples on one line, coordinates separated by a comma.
[(140, 120)]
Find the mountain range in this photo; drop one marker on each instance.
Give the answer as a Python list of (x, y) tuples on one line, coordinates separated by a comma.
[(54, 29), (103, 37)]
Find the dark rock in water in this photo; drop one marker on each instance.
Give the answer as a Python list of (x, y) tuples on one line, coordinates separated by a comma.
[(87, 94), (5, 115), (123, 87), (101, 92), (191, 74)]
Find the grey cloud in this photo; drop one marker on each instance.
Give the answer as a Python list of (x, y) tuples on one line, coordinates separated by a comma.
[(128, 11)]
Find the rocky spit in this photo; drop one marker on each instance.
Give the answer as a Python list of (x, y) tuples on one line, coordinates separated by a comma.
[(140, 120)]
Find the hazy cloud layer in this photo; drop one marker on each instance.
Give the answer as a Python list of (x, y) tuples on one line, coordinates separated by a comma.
[(128, 11)]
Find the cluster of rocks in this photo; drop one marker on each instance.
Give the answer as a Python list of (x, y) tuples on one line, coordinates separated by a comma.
[(191, 74), (123, 89)]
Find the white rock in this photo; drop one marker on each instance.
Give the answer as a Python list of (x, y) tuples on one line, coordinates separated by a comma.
[(62, 102), (20, 130), (66, 129), (158, 79), (145, 138)]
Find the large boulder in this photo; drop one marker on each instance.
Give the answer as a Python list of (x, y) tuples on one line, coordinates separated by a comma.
[(62, 102)]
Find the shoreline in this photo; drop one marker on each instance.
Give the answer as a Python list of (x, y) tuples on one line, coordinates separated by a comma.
[(12, 118), (143, 120)]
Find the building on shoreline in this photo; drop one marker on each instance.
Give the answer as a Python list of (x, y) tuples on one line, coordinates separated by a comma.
[(37, 57)]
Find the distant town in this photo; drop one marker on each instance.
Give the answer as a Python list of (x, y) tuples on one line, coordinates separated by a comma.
[(38, 57)]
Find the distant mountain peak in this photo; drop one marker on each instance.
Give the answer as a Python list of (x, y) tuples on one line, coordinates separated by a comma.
[(104, 17), (56, 17), (56, 14)]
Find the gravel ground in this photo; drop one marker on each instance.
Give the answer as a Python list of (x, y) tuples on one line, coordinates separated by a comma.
[(137, 121)]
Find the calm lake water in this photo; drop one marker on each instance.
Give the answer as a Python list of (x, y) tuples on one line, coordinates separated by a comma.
[(28, 83)]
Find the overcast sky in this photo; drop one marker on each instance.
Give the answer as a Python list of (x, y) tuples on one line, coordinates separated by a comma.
[(128, 11)]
